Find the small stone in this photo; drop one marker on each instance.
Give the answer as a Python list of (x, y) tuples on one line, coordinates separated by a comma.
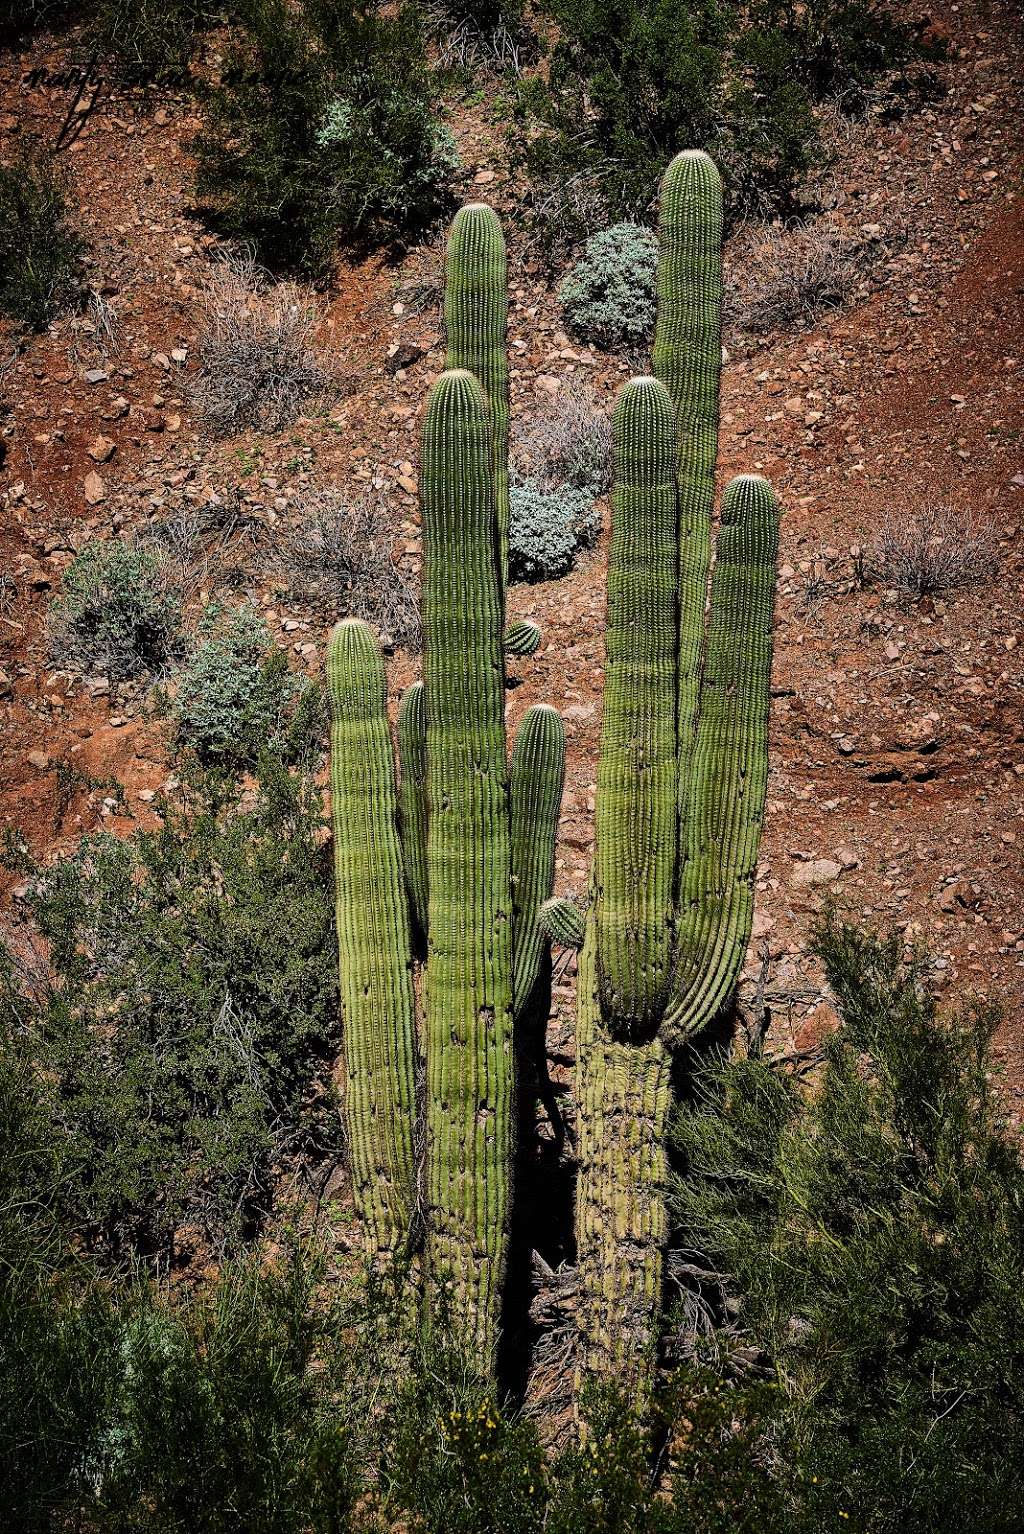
[(101, 449), (96, 376), (95, 489), (39, 760), (818, 871)]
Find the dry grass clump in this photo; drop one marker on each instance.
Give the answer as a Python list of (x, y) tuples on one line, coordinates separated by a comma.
[(258, 359), (777, 278), (941, 548), (568, 442), (337, 554)]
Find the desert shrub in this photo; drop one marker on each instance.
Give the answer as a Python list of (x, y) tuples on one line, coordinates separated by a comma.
[(115, 614), (337, 554), (322, 129), (223, 1418), (779, 277), (932, 551), (20, 16), (148, 39), (235, 696), (545, 529), (180, 1035), (258, 358), (609, 296), (872, 1233), (631, 81), (567, 442), (40, 251), (480, 34)]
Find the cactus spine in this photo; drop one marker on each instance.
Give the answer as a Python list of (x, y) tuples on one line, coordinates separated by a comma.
[(412, 801), (375, 965), (537, 775)]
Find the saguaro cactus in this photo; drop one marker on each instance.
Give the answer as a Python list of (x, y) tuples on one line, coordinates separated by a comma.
[(375, 958), (463, 856), (465, 853), (681, 781)]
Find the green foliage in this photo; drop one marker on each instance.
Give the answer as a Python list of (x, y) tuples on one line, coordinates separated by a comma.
[(145, 39), (609, 295), (633, 80), (115, 614), (322, 130), (236, 696), (545, 530), (454, 1460), (40, 251), (180, 1039), (873, 1229)]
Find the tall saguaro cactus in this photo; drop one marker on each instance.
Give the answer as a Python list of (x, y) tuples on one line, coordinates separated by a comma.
[(470, 1058), (461, 857), (681, 781)]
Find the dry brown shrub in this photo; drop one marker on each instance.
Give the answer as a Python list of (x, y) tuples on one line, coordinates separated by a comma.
[(336, 553), (938, 549), (258, 359)]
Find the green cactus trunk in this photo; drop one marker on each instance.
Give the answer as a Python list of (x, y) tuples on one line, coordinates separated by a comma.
[(729, 778), (688, 359), (537, 774), (470, 1058), (623, 1098), (635, 859), (374, 946), (476, 326)]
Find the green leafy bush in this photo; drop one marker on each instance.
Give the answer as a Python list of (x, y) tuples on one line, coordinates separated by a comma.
[(236, 697), (609, 296), (545, 529), (40, 251), (633, 81), (322, 130), (180, 1038), (147, 39), (873, 1233), (115, 614)]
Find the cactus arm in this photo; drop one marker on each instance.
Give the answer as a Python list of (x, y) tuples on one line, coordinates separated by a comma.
[(637, 818), (623, 1098), (537, 775), (476, 325), (412, 798), (374, 952), (562, 922), (730, 764), (522, 637), (688, 360), (470, 1061)]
